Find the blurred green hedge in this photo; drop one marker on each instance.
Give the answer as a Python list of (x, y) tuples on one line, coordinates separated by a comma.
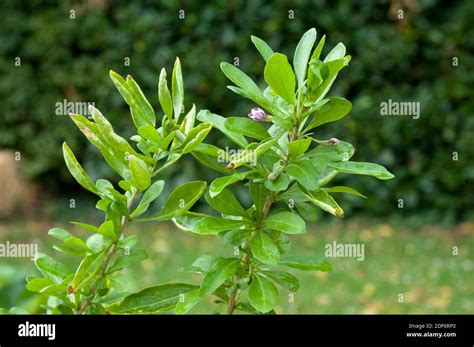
[(403, 60)]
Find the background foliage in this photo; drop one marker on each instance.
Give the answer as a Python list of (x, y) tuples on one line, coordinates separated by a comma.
[(402, 60)]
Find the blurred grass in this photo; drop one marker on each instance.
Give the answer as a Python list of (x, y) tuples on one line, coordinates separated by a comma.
[(398, 260)]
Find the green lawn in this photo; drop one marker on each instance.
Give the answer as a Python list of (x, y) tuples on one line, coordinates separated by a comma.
[(416, 263)]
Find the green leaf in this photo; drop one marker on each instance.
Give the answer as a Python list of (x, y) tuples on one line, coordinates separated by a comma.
[(302, 52), (38, 284), (280, 77), (85, 226), (240, 79), (135, 256), (196, 136), (67, 238), (360, 168), (264, 249), (307, 263), (263, 295), (340, 151), (344, 189), (48, 266), (262, 47), (335, 109), (218, 122), (87, 270), (226, 202), (299, 147), (141, 100), (188, 301), (222, 182), (287, 222), (59, 233), (149, 196), (220, 271), (326, 202), (338, 52), (259, 195), (164, 95), (307, 211), (280, 183), (177, 88), (305, 173), (284, 279), (140, 172), (152, 300), (150, 133), (189, 120), (204, 262), (212, 225), (77, 171), (113, 157), (135, 100), (247, 127), (333, 67), (317, 51), (108, 134), (181, 199), (107, 229)]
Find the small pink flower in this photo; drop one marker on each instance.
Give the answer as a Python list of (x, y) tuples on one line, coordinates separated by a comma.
[(258, 115)]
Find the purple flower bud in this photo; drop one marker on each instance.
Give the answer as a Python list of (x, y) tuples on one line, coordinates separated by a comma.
[(258, 115)]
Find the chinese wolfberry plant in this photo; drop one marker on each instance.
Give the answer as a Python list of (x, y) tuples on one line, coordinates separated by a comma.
[(95, 286), (285, 170)]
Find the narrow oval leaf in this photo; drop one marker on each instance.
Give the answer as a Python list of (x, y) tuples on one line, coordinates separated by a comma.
[(302, 52), (247, 127), (187, 301), (149, 196), (240, 79), (107, 229), (153, 300), (344, 189), (307, 263), (263, 295), (287, 222), (141, 100), (326, 202), (177, 89), (77, 171), (221, 270), (87, 270), (218, 123), (212, 225), (280, 77), (360, 168), (226, 202), (262, 47), (335, 109), (48, 266), (140, 172), (181, 199), (164, 95), (299, 147), (284, 279), (264, 249), (305, 173)]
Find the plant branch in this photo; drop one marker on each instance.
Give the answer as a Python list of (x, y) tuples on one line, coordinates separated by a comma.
[(110, 253)]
